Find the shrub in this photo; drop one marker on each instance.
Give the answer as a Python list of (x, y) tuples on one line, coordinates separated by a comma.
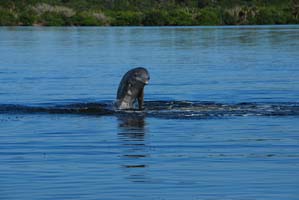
[(7, 18), (126, 18), (102, 18), (208, 16), (53, 15), (272, 15), (265, 16), (52, 19), (229, 18), (251, 18), (89, 19), (27, 18), (239, 15), (156, 18), (180, 17), (46, 8)]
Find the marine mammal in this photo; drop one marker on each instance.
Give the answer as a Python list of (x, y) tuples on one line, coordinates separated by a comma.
[(131, 88)]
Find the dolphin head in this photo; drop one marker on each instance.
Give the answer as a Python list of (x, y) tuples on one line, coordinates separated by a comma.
[(141, 75), (131, 88)]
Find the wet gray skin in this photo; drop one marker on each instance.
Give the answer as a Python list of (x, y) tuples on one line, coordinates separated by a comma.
[(131, 89)]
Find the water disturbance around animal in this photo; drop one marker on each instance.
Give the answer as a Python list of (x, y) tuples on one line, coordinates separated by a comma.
[(164, 109)]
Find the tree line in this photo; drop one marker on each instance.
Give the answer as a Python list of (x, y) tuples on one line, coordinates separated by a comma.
[(147, 12)]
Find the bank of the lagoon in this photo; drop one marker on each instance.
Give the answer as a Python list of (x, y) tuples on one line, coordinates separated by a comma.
[(147, 13), (48, 155)]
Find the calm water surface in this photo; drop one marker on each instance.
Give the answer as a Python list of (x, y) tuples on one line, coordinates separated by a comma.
[(77, 156)]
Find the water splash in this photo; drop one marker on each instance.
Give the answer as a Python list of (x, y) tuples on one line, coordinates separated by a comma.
[(164, 109)]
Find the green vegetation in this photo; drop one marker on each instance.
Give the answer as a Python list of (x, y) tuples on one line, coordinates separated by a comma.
[(147, 12)]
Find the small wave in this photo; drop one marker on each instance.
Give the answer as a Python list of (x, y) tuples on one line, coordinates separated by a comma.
[(165, 109), (78, 108), (197, 109)]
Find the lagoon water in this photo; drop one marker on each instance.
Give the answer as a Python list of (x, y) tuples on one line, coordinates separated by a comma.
[(247, 155)]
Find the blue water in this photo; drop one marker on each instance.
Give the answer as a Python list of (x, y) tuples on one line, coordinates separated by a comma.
[(248, 75)]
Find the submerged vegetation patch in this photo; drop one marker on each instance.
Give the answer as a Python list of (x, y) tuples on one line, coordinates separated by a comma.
[(147, 13)]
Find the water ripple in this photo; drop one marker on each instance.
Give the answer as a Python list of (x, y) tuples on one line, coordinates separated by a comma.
[(164, 109)]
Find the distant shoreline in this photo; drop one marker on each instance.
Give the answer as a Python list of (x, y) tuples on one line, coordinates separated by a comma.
[(147, 13), (165, 26)]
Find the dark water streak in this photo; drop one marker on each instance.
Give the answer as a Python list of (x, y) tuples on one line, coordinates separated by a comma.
[(163, 109)]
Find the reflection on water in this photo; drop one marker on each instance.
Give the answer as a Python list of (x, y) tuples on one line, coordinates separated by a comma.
[(132, 134), (132, 122)]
